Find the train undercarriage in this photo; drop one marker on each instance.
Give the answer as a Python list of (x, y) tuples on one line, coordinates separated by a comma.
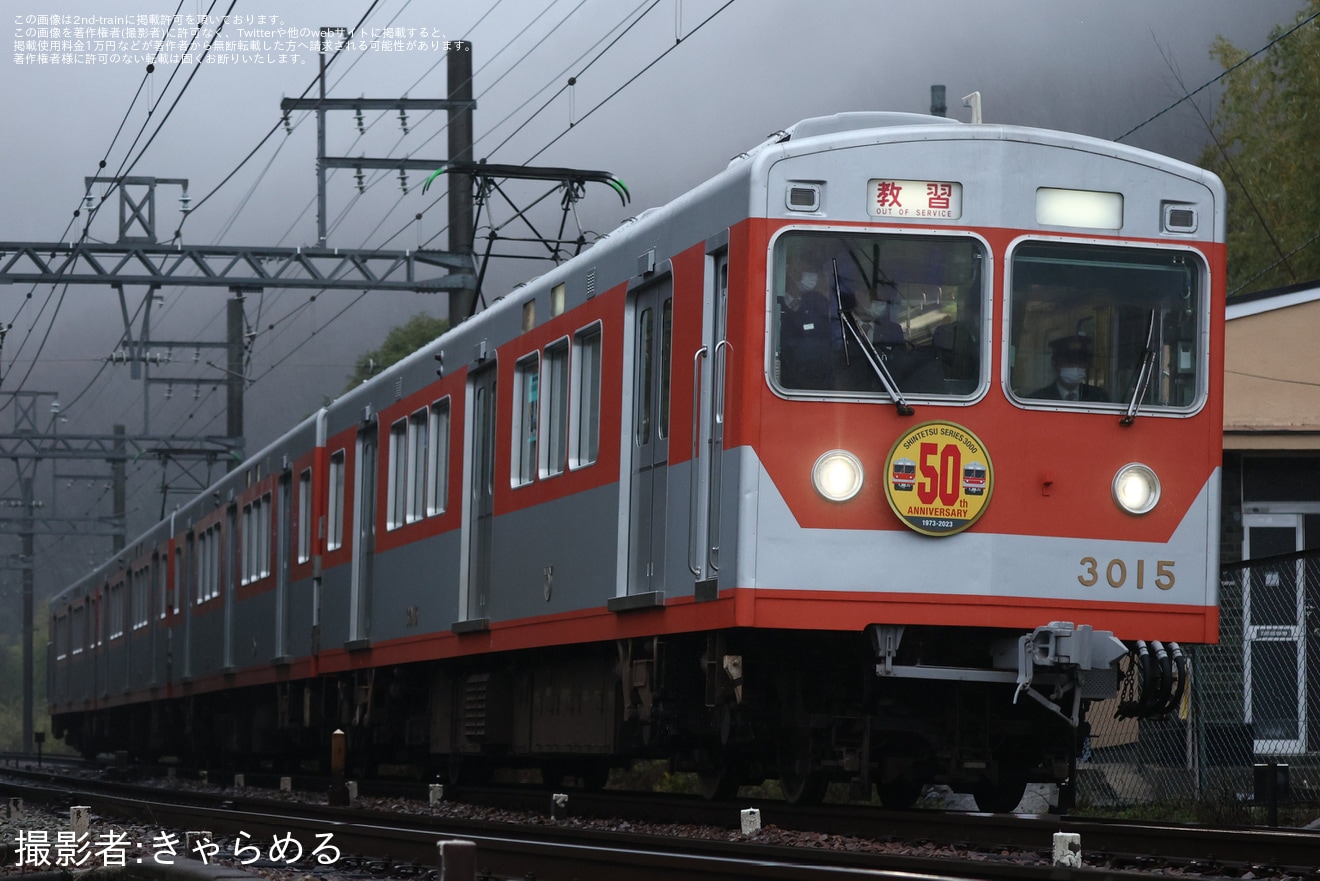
[(885, 711)]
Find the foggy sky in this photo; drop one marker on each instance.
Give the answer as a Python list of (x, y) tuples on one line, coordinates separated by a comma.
[(756, 67)]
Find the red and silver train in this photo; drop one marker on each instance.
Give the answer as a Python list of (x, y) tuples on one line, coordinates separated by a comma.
[(879, 457)]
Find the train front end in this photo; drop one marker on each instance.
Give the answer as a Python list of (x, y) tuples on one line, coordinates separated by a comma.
[(979, 448)]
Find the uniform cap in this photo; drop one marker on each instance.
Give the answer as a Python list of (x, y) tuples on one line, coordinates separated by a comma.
[(1072, 350)]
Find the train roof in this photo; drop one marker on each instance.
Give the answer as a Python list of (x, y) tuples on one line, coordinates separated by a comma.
[(850, 129)]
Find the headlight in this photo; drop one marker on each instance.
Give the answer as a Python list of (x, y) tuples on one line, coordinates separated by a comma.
[(1136, 488), (837, 475)]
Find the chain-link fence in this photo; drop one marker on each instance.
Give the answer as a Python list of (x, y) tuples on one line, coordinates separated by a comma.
[(1252, 699)]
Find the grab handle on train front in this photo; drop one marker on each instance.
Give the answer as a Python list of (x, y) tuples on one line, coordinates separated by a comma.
[(694, 483)]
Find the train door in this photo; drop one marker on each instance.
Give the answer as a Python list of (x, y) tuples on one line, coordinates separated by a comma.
[(229, 576), (708, 439), (1274, 634), (285, 521), (480, 501), (186, 581), (364, 547), (156, 613), (653, 319)]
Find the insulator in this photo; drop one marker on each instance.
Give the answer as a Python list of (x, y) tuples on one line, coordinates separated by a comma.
[(197, 355), (197, 391), (288, 127), (184, 201), (357, 115), (361, 180), (90, 200), (169, 354), (169, 391), (403, 120), (403, 180)]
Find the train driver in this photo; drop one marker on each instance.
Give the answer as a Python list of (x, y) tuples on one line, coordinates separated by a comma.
[(1071, 358), (874, 316), (805, 332)]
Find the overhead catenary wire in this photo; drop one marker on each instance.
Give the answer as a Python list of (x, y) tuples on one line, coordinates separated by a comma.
[(106, 155), (50, 326), (1232, 166), (346, 308), (162, 122), (279, 123), (1283, 36), (160, 125), (523, 57), (584, 116)]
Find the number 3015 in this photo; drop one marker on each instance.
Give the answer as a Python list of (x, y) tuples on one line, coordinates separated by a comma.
[(1116, 573)]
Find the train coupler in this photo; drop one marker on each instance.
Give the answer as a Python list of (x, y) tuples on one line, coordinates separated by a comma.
[(1081, 661)]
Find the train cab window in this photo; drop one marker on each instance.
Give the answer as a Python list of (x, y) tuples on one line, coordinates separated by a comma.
[(851, 311), (1106, 326), (526, 392)]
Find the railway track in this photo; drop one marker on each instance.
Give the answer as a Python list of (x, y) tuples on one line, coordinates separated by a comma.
[(515, 835)]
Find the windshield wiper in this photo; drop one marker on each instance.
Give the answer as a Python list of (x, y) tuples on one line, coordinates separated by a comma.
[(1143, 376), (848, 325)]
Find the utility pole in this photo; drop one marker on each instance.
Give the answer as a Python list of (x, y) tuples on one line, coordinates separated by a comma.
[(320, 139), (27, 447), (938, 105), (235, 375), (29, 661), (459, 73), (459, 105)]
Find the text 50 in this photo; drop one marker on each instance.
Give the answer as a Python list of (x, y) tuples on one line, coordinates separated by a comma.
[(1116, 573)]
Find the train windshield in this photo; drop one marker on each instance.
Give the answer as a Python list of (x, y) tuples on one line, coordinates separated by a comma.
[(915, 301), (1101, 325)]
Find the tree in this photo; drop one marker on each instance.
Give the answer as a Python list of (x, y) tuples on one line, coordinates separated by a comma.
[(11, 682), (1267, 151), (399, 343)]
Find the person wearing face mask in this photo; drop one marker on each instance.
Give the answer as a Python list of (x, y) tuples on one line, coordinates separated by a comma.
[(1071, 358), (875, 321), (805, 334)]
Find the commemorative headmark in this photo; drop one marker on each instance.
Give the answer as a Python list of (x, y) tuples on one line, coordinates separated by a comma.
[(938, 478)]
